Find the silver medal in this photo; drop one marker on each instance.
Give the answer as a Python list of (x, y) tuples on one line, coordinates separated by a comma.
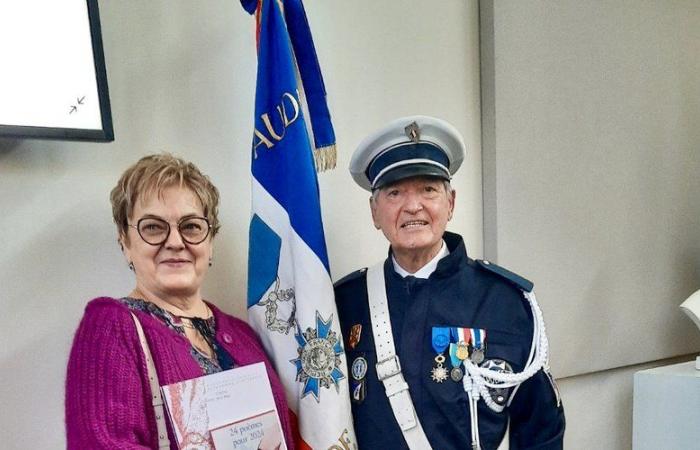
[(477, 356)]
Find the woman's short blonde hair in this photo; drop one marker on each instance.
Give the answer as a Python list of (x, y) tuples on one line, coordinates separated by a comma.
[(153, 174)]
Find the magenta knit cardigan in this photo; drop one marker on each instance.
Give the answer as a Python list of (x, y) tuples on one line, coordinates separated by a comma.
[(107, 392)]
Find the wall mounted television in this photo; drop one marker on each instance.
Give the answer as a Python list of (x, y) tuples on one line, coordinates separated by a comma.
[(53, 81)]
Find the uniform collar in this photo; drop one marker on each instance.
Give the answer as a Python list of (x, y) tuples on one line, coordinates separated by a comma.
[(446, 266), (425, 271)]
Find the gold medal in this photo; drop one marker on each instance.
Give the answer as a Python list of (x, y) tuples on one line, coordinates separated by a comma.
[(462, 351)]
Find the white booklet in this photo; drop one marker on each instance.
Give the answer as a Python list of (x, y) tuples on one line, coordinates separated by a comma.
[(229, 410)]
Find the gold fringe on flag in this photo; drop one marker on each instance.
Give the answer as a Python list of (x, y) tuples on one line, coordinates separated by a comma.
[(325, 158)]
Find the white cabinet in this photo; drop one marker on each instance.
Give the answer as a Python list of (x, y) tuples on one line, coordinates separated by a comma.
[(667, 408)]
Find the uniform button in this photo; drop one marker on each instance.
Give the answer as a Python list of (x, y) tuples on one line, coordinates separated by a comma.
[(227, 338), (486, 262)]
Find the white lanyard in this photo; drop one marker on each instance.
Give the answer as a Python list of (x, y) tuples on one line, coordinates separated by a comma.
[(477, 379)]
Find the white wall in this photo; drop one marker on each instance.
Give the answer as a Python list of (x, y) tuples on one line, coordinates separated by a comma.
[(181, 79), (593, 164), (590, 156)]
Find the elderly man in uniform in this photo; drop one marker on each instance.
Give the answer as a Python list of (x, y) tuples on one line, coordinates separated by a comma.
[(443, 351)]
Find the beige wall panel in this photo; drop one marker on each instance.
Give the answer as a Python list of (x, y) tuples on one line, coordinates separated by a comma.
[(181, 78), (591, 169)]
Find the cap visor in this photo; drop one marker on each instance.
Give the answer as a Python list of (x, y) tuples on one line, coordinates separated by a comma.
[(410, 171)]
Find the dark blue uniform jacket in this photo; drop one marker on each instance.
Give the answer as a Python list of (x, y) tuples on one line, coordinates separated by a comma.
[(460, 293)]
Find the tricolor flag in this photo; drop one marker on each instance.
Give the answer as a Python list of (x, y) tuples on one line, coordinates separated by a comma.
[(290, 293)]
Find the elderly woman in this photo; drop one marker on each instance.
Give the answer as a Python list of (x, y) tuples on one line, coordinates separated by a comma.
[(165, 210)]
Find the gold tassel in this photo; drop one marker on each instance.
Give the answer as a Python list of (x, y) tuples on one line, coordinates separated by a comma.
[(325, 158)]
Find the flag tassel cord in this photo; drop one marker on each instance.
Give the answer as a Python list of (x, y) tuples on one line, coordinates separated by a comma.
[(325, 158)]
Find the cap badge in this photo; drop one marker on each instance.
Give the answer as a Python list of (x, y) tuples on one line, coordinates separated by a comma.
[(413, 132)]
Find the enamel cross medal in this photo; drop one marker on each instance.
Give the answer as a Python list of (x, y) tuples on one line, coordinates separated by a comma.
[(441, 339)]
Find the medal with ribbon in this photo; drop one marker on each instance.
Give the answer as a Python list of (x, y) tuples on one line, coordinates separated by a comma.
[(463, 338), (478, 338), (456, 372), (459, 351), (440, 341)]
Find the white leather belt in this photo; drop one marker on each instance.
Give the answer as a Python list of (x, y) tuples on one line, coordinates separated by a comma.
[(388, 366)]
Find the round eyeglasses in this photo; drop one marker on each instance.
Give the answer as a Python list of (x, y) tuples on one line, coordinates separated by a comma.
[(155, 231)]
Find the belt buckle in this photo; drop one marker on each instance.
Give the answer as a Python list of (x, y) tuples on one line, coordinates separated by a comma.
[(392, 371)]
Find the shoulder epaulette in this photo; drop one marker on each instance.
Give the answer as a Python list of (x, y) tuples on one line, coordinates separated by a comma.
[(351, 276), (517, 280)]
